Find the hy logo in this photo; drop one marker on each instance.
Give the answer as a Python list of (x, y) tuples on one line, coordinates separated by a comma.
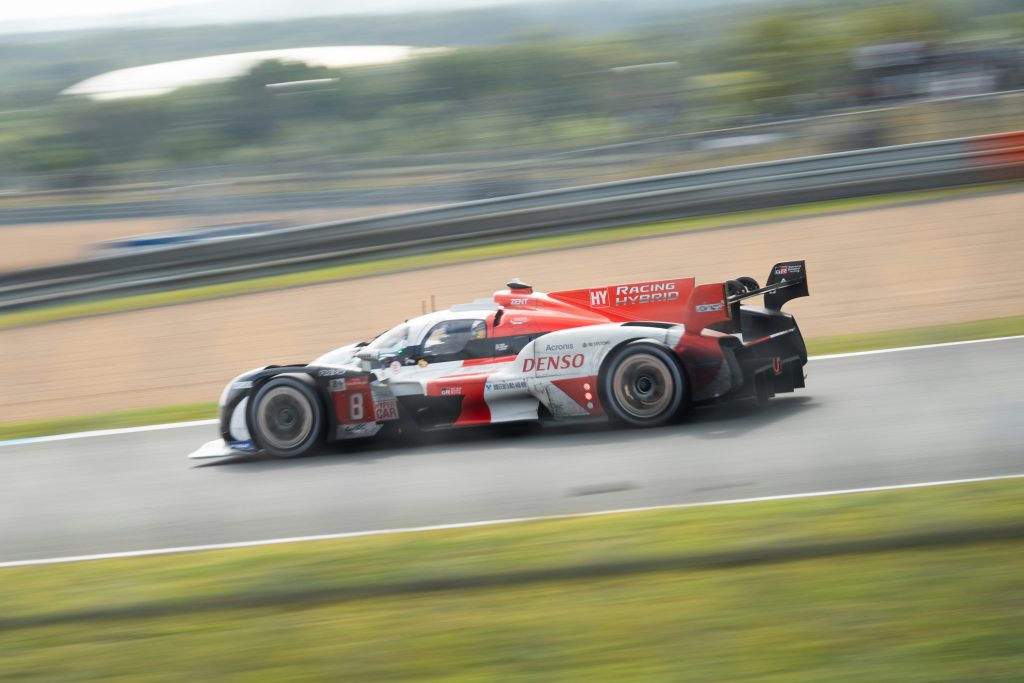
[(598, 297)]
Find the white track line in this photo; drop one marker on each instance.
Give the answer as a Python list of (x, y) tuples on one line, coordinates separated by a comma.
[(200, 423), (914, 348), (107, 432), (491, 522)]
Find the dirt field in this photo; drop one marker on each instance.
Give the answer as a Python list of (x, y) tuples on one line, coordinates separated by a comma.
[(39, 244), (932, 263)]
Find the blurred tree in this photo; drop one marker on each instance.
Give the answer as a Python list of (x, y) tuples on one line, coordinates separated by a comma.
[(900, 22), (789, 49), (513, 81)]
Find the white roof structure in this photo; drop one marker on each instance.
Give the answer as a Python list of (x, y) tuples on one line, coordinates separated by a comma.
[(166, 77)]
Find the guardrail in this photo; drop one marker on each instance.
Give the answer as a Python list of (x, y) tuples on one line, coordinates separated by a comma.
[(917, 166)]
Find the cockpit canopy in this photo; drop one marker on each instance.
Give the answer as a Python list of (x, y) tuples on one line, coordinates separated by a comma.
[(435, 337), (450, 337)]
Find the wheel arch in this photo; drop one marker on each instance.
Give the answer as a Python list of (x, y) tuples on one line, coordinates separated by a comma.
[(609, 356), (305, 378)]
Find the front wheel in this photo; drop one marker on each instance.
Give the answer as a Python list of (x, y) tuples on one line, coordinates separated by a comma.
[(642, 386), (287, 417)]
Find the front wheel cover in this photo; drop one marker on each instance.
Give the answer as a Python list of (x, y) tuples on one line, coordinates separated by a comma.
[(287, 418), (642, 386)]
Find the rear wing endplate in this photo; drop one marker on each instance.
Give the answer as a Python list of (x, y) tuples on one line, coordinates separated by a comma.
[(787, 281)]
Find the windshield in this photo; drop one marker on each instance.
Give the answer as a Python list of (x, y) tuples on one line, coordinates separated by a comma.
[(392, 342)]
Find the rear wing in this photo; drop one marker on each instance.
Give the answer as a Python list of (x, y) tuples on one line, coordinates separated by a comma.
[(787, 281), (717, 306)]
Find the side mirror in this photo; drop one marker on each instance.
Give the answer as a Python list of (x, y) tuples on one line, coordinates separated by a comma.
[(367, 354)]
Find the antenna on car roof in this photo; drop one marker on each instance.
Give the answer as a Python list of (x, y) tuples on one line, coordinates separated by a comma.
[(517, 285)]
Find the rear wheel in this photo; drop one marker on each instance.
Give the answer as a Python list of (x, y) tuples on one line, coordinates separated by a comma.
[(642, 386), (287, 418)]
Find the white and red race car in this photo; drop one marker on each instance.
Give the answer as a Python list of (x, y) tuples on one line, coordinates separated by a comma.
[(639, 354)]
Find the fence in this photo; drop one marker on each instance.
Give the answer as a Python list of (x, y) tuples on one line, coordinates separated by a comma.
[(845, 174)]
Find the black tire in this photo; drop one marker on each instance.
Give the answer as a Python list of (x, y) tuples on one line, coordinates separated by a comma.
[(287, 418), (642, 385)]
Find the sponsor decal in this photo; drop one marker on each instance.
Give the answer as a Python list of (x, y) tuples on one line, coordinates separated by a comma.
[(330, 372), (500, 346), (244, 384), (566, 361), (337, 385), (511, 385), (709, 308), (395, 366), (559, 347), (359, 428), (777, 365), (519, 321), (598, 297), (358, 382), (519, 302), (588, 345), (649, 293), (786, 270), (354, 431), (386, 410), (451, 391)]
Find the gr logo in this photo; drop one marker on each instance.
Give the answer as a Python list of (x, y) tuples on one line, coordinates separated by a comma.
[(598, 297)]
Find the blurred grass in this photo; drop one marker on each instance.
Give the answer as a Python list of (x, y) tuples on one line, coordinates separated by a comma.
[(917, 336), (979, 329), (126, 418), (106, 306), (522, 602)]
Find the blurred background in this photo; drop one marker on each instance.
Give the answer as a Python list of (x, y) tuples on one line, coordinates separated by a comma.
[(232, 113)]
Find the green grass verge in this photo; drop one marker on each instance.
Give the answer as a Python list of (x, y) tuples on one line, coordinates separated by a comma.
[(126, 418), (513, 248), (526, 601), (916, 336), (981, 329)]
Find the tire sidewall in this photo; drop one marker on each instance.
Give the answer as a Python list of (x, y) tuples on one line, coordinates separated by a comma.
[(619, 415), (315, 433)]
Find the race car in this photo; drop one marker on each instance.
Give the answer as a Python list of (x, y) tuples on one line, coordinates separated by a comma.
[(639, 354)]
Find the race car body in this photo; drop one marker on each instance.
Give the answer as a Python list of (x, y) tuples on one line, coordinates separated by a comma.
[(637, 353)]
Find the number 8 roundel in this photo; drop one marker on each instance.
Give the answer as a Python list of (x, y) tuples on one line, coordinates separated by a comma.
[(354, 405)]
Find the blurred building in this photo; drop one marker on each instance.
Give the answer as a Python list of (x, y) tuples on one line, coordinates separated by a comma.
[(899, 71), (166, 77)]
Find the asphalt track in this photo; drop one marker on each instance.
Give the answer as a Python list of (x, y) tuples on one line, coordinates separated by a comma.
[(927, 414)]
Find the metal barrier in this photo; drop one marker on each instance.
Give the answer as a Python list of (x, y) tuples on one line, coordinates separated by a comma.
[(916, 166)]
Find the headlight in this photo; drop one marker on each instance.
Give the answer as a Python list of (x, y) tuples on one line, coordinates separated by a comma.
[(232, 388)]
